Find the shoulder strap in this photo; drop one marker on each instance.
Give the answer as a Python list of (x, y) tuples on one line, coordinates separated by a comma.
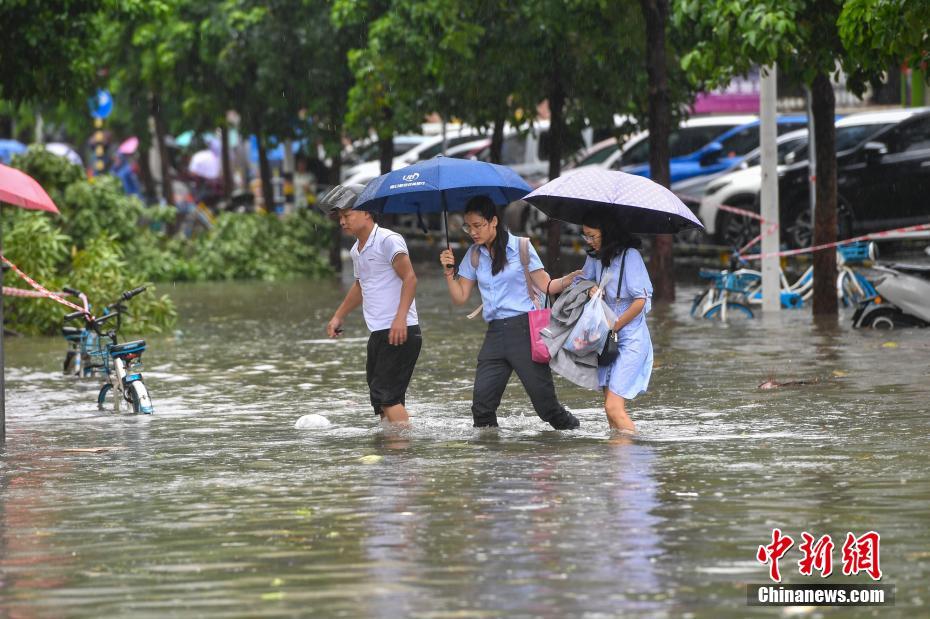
[(473, 257), (604, 274), (622, 267), (525, 260)]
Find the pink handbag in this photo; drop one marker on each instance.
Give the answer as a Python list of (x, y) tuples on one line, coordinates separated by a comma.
[(539, 320), (539, 317)]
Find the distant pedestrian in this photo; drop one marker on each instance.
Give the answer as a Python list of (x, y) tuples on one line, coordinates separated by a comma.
[(123, 170), (385, 286), (614, 249), (501, 281)]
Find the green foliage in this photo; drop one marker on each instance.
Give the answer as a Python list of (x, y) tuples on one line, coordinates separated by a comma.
[(102, 268), (880, 33), (48, 49), (92, 209), (36, 246), (247, 246), (34, 243)]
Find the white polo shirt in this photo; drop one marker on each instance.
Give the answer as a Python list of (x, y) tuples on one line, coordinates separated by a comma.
[(380, 284)]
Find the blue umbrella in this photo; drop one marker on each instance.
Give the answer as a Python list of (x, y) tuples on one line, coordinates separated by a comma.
[(8, 148), (440, 185), (641, 205)]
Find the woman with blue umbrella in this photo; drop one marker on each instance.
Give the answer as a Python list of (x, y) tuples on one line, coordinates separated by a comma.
[(508, 277)]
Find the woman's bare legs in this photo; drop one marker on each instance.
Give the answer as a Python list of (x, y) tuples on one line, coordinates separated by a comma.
[(615, 407)]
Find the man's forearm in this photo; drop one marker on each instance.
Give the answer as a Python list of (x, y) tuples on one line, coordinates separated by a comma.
[(408, 293), (353, 299)]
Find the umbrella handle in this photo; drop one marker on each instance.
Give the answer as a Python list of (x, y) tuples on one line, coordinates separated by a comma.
[(445, 221)]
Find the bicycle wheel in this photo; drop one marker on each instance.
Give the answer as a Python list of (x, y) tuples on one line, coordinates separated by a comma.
[(102, 395), (139, 398), (734, 309), (700, 302), (848, 289)]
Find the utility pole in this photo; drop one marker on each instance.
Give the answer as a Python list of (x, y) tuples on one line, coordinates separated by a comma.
[(771, 280)]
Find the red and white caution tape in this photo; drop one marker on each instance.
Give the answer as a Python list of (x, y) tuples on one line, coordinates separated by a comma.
[(9, 291), (741, 211), (874, 236), (747, 246), (42, 291)]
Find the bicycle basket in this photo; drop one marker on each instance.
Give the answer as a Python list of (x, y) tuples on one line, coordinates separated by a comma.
[(857, 252)]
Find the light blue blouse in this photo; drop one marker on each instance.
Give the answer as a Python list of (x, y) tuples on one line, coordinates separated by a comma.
[(504, 295)]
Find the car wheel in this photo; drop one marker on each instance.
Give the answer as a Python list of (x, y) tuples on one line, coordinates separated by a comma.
[(800, 232), (735, 230)]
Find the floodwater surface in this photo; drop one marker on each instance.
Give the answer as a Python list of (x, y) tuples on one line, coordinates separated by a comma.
[(217, 506)]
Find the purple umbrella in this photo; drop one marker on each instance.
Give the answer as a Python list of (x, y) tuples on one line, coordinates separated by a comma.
[(641, 205)]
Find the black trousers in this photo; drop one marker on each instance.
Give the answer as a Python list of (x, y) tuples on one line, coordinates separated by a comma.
[(507, 348), (389, 368)]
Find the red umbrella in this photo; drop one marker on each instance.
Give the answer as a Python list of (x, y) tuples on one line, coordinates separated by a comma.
[(20, 189)]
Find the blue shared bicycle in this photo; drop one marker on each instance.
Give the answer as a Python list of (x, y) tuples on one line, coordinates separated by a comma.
[(81, 341), (120, 363)]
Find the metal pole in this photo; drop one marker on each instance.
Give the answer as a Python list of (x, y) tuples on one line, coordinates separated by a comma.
[(2, 362), (771, 282)]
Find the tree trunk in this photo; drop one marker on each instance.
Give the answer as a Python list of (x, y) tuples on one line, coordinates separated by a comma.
[(227, 165), (386, 157), (823, 104), (497, 135), (167, 191), (556, 133), (386, 152), (265, 171), (655, 12)]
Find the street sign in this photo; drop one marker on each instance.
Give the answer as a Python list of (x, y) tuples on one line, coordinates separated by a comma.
[(101, 104)]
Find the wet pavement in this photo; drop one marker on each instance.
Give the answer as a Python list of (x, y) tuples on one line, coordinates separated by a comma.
[(216, 506)]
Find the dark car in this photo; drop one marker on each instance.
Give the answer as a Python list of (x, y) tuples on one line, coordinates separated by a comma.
[(883, 182)]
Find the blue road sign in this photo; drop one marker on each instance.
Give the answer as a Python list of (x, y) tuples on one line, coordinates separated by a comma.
[(101, 104)]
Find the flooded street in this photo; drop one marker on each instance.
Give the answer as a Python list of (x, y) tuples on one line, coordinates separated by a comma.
[(216, 506)]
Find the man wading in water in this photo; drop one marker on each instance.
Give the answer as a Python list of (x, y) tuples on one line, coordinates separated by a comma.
[(385, 286)]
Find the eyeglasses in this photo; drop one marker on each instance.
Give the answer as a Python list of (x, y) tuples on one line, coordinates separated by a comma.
[(477, 227), (591, 238)]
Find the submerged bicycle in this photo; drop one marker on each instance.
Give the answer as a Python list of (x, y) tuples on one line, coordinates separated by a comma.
[(121, 363), (735, 290), (77, 357)]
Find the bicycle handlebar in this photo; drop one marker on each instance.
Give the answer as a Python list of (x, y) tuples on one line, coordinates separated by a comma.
[(131, 293), (73, 315), (105, 317), (74, 292)]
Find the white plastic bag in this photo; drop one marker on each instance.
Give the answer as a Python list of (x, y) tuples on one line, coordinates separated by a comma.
[(590, 332)]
